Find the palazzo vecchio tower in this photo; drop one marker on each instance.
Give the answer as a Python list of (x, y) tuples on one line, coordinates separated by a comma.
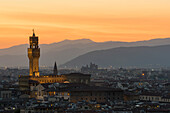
[(34, 77), (33, 55)]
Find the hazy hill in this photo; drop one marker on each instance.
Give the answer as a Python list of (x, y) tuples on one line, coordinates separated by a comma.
[(125, 56), (66, 50)]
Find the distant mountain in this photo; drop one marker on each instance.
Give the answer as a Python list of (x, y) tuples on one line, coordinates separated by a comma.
[(125, 56), (66, 50)]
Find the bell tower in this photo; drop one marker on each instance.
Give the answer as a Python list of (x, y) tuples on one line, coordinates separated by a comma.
[(33, 55), (55, 71)]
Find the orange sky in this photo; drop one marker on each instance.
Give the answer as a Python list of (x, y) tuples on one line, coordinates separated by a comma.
[(98, 20)]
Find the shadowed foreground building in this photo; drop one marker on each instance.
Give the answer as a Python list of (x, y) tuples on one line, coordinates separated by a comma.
[(25, 81), (74, 92), (93, 93)]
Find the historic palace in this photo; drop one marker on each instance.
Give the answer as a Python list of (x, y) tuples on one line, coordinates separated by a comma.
[(34, 77)]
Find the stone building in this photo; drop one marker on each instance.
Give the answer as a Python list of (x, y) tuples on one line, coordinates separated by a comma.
[(74, 92), (155, 97), (5, 94), (34, 55), (98, 94)]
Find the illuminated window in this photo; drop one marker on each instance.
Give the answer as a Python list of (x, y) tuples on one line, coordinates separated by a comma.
[(62, 93)]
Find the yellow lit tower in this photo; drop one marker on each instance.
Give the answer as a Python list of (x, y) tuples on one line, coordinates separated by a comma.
[(33, 55)]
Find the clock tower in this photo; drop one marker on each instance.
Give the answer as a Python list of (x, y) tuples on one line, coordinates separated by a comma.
[(33, 55)]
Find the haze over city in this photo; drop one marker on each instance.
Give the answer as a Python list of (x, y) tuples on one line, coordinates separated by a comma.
[(98, 20)]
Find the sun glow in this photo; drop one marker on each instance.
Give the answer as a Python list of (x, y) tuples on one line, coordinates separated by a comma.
[(98, 20)]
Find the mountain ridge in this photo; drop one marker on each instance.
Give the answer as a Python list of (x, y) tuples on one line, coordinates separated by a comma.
[(124, 56), (66, 50)]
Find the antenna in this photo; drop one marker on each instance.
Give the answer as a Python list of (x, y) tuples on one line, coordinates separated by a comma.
[(33, 32)]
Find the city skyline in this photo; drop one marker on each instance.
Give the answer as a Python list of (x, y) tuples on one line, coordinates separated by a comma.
[(78, 56), (98, 20)]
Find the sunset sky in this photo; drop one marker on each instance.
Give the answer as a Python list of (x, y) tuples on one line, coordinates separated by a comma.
[(98, 20)]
